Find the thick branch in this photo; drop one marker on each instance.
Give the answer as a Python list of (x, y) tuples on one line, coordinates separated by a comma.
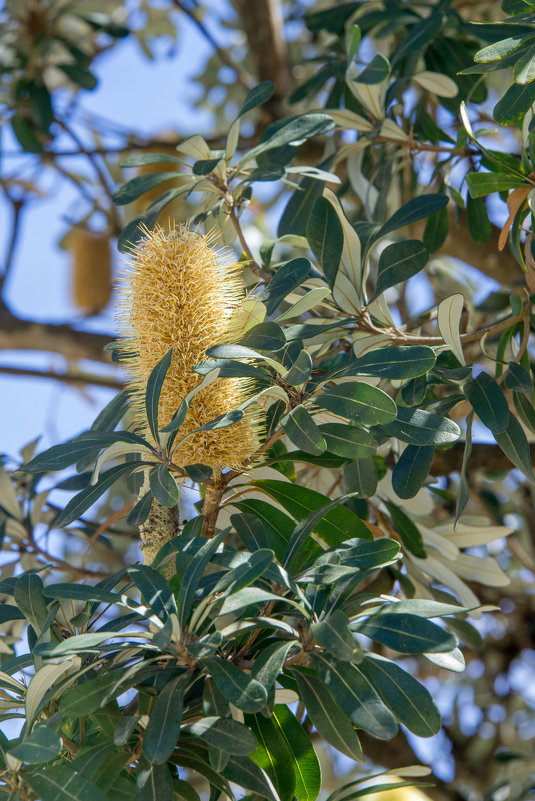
[(83, 379), (19, 334)]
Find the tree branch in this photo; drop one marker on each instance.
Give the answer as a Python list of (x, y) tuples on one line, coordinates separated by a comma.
[(17, 333), (84, 379), (484, 456)]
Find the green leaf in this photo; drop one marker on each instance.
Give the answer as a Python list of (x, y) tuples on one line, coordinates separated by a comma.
[(416, 209), (87, 497), (299, 426), (286, 279), (436, 230), (515, 445), (154, 388), (295, 217), (525, 409), (331, 19), (366, 554), (524, 69), (331, 722), (294, 129), (10, 612), (376, 71), (362, 477), (409, 700), (154, 589), (300, 371), (241, 689), (25, 136), (398, 262), (514, 104), (479, 225), (419, 36), (403, 362), (333, 527), (418, 427), (518, 378), (411, 470), (334, 634), (134, 231), (485, 183), (137, 186), (62, 783), (140, 510), (228, 369), (326, 238), (225, 734), (356, 696), (348, 441), (272, 755), (264, 336), (165, 718), (199, 473), (305, 528), (246, 572), (193, 574), (463, 494), (269, 663), (154, 783), (140, 159), (223, 421), (407, 530), (163, 486), (408, 634), (29, 596), (256, 96), (488, 402), (88, 696), (42, 745), (285, 741), (85, 445), (78, 75), (243, 771), (358, 401)]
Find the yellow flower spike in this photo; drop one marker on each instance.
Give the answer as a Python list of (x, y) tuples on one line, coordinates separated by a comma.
[(91, 270), (177, 294)]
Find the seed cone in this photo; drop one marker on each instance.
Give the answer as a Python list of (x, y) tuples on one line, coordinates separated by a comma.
[(177, 295), (91, 270)]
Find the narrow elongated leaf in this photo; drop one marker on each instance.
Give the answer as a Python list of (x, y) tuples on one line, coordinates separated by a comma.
[(362, 477), (334, 527), (448, 320), (272, 755), (62, 783), (10, 612), (358, 401), (193, 573), (409, 700), (481, 184), (418, 427), (407, 530), (348, 441), (406, 361), (326, 238), (154, 589), (355, 695), (82, 447), (514, 444), (140, 159), (154, 783), (244, 574), (300, 371), (29, 596), (399, 262), (163, 486), (411, 470), (328, 718), (264, 336), (488, 402), (225, 734), (369, 554), (243, 771), (416, 209), (41, 745), (137, 186), (408, 634), (299, 426), (87, 497), (243, 691), (334, 634), (516, 101), (304, 760), (88, 696), (308, 525), (270, 662), (295, 129), (163, 727), (154, 388), (286, 279)]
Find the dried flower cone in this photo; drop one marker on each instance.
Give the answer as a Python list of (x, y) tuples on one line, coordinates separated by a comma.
[(91, 270), (177, 295)]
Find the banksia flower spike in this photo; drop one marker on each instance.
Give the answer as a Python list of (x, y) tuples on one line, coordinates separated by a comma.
[(178, 295), (91, 280)]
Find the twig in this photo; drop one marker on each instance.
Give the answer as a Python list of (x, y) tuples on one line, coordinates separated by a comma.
[(68, 378), (17, 205), (253, 264), (223, 54)]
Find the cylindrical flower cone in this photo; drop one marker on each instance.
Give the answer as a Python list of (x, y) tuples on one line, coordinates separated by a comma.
[(91, 280)]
